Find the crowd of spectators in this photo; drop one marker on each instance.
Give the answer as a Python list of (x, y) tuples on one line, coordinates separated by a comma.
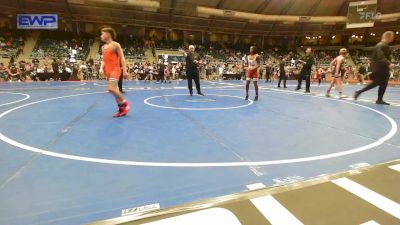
[(168, 45), (396, 55), (324, 57), (11, 43), (54, 51), (56, 44), (214, 52), (25, 70), (210, 51), (360, 56), (134, 48)]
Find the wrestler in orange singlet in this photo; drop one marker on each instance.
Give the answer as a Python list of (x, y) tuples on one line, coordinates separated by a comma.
[(113, 58)]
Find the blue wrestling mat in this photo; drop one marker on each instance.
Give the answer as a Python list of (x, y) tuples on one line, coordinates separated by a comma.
[(65, 160)]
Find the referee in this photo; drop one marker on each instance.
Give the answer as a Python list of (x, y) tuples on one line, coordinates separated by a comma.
[(305, 73), (282, 72), (121, 78), (192, 72), (381, 64)]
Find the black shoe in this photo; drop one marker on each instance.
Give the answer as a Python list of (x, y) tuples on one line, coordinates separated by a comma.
[(297, 89), (279, 86), (356, 95), (381, 102), (191, 94), (284, 87), (247, 98), (199, 93), (256, 98), (307, 92)]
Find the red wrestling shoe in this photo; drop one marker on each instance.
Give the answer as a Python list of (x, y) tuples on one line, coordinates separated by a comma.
[(118, 114), (123, 110), (126, 108)]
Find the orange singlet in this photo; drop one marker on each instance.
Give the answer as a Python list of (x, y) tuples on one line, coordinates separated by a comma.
[(112, 67)]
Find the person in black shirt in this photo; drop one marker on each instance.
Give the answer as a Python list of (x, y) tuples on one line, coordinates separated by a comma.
[(161, 68), (305, 73), (282, 73), (35, 62), (91, 61), (267, 73), (381, 64), (4, 72), (362, 71), (192, 72), (56, 69), (15, 72)]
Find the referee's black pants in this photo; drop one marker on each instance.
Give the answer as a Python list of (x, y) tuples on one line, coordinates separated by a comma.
[(282, 77), (307, 77), (193, 75), (381, 79), (120, 82)]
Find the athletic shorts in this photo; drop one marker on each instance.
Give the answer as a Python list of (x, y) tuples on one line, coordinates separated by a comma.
[(252, 74), (113, 74)]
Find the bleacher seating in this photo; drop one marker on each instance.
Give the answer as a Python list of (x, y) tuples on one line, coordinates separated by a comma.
[(168, 45), (324, 57), (396, 55), (213, 51), (58, 45), (359, 56), (11, 43), (133, 47)]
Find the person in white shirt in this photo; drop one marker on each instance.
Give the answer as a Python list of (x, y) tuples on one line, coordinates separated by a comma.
[(173, 70)]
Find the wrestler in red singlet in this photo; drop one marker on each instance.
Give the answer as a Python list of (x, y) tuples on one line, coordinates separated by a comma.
[(252, 71)]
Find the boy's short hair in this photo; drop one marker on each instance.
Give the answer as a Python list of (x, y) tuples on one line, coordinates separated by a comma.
[(111, 31), (343, 51)]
